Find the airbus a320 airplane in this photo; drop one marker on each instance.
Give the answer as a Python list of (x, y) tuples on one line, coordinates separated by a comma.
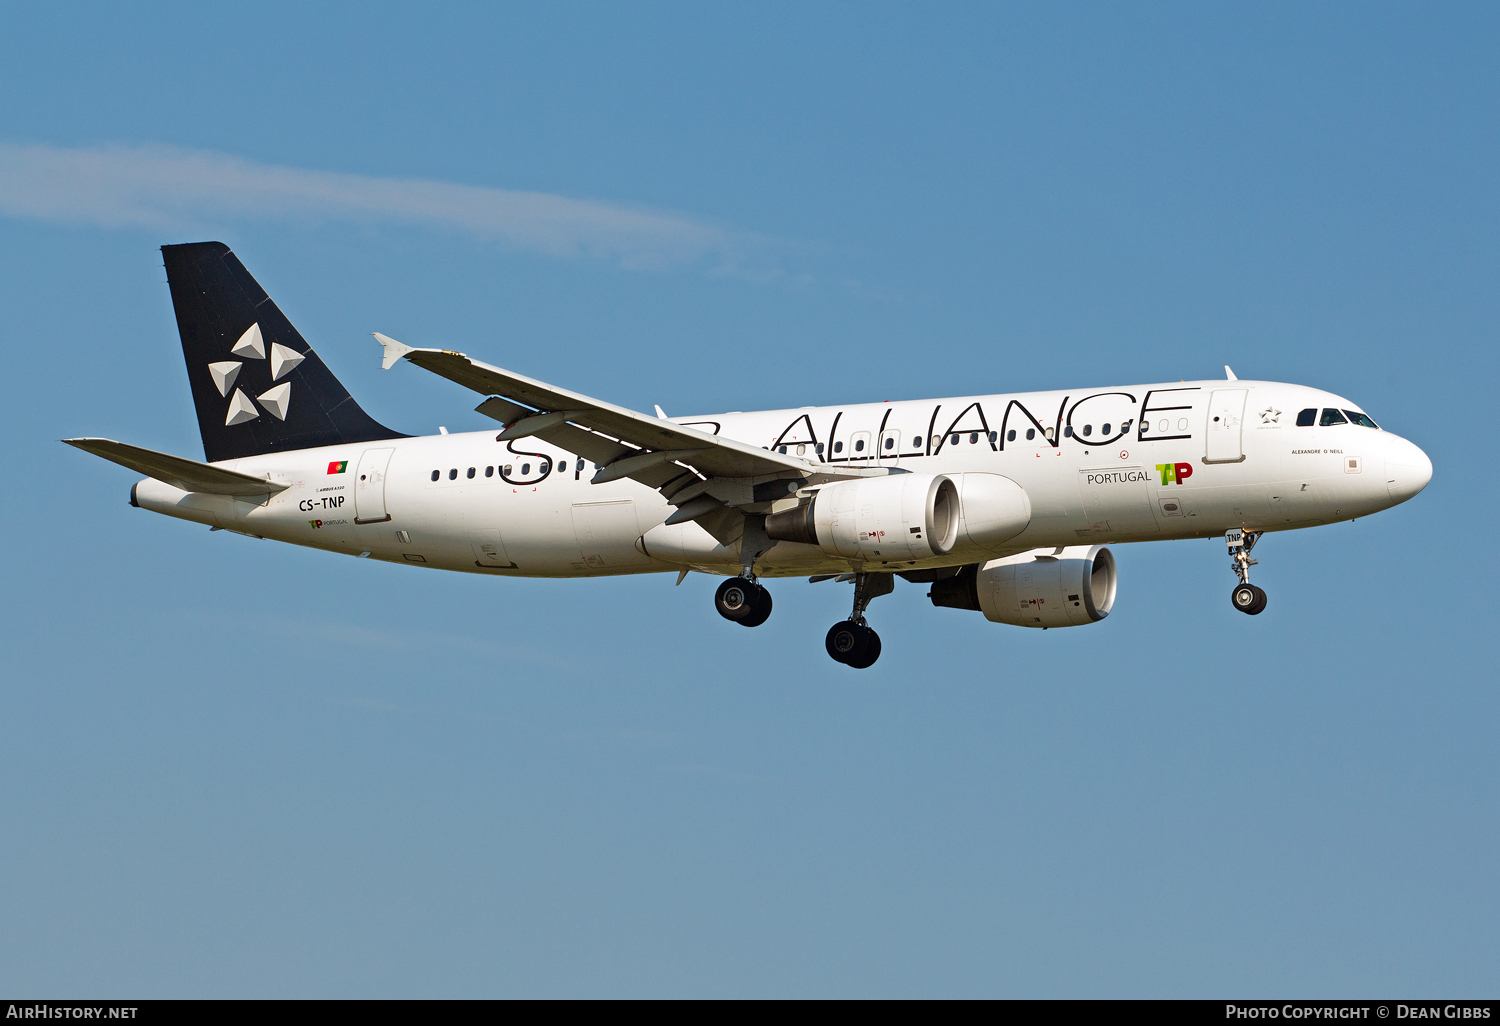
[(1003, 504)]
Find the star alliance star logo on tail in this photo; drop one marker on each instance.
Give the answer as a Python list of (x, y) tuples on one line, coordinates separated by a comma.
[(277, 400)]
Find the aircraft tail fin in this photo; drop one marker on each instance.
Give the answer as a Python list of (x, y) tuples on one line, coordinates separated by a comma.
[(258, 387)]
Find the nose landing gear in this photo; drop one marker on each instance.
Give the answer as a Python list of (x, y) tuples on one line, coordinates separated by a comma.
[(1245, 597), (744, 601), (852, 641)]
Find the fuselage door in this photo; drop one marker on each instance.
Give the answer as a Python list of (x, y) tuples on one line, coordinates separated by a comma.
[(369, 486), (1117, 502), (607, 532), (489, 549), (1226, 416)]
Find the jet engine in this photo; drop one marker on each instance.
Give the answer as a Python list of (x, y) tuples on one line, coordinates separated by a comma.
[(1057, 588), (882, 519)]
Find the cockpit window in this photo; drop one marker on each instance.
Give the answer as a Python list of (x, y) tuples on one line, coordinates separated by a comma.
[(1355, 417), (1307, 418), (1331, 417)]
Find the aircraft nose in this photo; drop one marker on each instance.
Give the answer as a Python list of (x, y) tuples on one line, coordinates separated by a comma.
[(1407, 469)]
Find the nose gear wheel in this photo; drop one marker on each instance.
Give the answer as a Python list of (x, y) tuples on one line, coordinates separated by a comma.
[(1247, 598)]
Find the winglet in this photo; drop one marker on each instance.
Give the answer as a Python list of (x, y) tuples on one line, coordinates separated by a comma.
[(393, 350), (1227, 372), (661, 412)]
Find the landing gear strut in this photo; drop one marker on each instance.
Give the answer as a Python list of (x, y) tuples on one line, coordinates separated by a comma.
[(851, 641), (1246, 597), (740, 598), (744, 601)]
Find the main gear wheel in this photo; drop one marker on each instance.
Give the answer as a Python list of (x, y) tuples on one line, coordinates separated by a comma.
[(853, 644), (743, 601)]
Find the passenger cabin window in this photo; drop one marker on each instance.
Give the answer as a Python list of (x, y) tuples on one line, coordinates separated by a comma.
[(471, 473), (1355, 417), (1030, 434), (917, 442), (1330, 418), (859, 446), (953, 440), (1307, 418), (838, 446), (1068, 431), (489, 471), (1010, 436), (818, 448), (1088, 429), (436, 474), (890, 443), (782, 450), (525, 469), (453, 474), (1105, 429)]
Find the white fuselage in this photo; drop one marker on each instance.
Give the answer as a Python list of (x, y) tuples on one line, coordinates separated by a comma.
[(1135, 463)]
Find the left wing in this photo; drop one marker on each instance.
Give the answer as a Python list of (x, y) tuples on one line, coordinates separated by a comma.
[(698, 472)]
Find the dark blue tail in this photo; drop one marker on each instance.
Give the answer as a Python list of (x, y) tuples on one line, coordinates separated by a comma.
[(257, 385)]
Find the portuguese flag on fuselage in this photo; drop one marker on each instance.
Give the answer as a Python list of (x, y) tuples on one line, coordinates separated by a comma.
[(338, 466)]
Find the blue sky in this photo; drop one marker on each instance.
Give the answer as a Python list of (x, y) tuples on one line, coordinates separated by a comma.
[(232, 768)]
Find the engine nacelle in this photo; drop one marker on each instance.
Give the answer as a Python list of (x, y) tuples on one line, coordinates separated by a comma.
[(995, 510), (880, 519), (1056, 589)]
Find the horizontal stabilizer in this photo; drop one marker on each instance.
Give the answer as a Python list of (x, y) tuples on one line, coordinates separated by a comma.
[(189, 475)]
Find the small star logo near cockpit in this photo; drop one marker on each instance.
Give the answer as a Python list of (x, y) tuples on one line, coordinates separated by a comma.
[(276, 400), (1270, 415)]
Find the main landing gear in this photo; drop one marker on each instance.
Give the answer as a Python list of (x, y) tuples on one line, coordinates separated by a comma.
[(1246, 597), (851, 641), (744, 601)]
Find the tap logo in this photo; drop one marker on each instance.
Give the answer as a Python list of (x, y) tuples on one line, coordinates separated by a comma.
[(1174, 473), (338, 466)]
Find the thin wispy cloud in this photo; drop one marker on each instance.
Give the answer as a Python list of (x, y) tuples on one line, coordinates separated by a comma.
[(169, 189)]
